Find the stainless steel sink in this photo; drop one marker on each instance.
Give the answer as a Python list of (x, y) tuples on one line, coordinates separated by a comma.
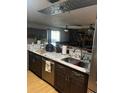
[(74, 61)]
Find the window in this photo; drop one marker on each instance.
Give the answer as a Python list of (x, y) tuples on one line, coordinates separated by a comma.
[(55, 37)]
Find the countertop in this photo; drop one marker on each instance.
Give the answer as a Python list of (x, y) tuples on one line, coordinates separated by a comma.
[(57, 58)]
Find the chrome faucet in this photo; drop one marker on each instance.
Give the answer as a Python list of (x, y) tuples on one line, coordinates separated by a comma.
[(81, 56)]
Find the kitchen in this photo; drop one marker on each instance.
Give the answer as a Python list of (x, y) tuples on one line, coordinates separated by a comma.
[(61, 37)]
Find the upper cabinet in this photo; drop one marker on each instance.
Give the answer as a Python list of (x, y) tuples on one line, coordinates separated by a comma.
[(34, 34), (74, 37), (81, 38)]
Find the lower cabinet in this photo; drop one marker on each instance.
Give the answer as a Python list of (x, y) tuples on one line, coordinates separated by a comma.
[(31, 58), (68, 80), (35, 64), (38, 66), (78, 82), (60, 79)]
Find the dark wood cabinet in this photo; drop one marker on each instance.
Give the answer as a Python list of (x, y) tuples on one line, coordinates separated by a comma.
[(60, 79), (31, 66), (68, 80), (38, 64), (34, 34), (35, 64), (78, 82), (81, 38)]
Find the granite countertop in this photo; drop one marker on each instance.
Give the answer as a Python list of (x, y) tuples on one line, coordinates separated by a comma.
[(57, 57)]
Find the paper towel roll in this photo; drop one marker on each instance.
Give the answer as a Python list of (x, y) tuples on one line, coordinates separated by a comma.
[(64, 49)]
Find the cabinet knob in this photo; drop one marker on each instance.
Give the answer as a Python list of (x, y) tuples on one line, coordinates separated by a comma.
[(66, 79)]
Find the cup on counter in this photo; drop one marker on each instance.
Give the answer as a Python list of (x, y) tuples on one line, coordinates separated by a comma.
[(38, 42), (32, 43)]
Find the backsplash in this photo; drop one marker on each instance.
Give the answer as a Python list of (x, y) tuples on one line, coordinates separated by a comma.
[(35, 47), (76, 53), (73, 52)]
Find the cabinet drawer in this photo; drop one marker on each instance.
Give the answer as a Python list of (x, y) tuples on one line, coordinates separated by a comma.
[(77, 74), (60, 68)]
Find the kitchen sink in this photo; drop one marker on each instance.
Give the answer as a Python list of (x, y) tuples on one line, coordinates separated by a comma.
[(74, 61)]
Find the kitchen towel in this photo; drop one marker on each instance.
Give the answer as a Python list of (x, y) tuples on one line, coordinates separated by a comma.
[(48, 66)]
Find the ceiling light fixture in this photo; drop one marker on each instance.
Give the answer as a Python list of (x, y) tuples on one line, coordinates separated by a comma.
[(66, 28), (91, 29)]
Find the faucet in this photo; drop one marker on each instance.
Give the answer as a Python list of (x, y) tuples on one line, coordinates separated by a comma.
[(81, 56)]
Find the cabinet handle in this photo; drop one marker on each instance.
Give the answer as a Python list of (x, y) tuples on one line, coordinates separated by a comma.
[(67, 78)]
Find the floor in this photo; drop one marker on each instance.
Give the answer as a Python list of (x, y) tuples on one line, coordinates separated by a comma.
[(36, 85)]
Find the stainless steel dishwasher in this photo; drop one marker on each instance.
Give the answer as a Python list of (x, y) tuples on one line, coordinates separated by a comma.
[(48, 76)]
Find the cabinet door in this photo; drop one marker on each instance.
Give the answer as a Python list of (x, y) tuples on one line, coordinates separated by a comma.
[(38, 65), (35, 64), (78, 82), (67, 81), (60, 78), (31, 61)]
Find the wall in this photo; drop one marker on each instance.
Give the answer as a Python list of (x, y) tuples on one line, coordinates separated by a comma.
[(64, 36), (81, 38)]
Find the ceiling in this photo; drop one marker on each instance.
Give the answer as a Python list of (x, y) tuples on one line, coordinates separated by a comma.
[(82, 16)]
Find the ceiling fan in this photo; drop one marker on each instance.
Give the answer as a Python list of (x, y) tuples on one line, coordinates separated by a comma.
[(66, 28), (75, 26), (91, 29)]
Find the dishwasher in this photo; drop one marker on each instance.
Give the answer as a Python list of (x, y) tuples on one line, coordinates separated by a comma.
[(48, 76)]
